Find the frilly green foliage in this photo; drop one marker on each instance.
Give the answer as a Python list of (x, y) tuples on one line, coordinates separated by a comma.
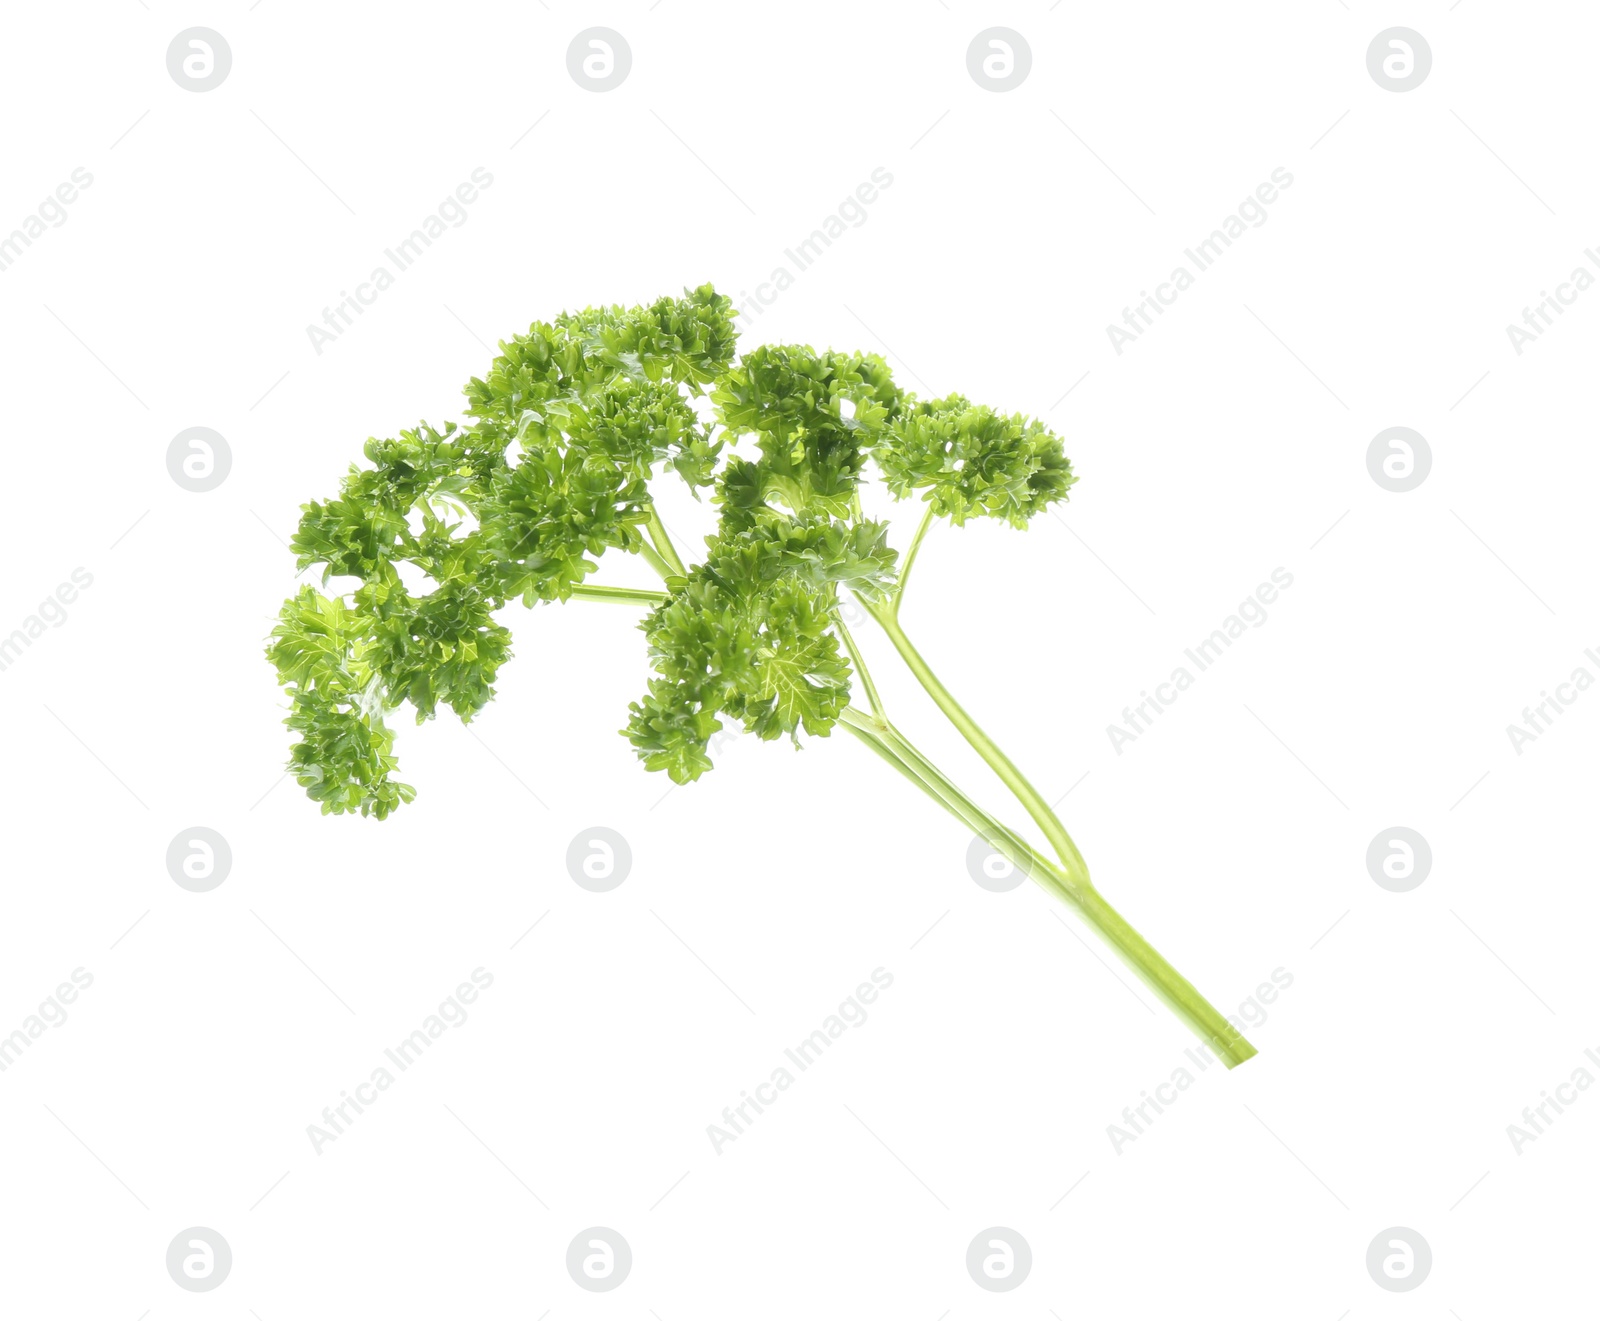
[(567, 430), (973, 461), (749, 636)]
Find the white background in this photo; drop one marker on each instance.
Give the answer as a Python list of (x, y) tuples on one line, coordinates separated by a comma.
[(1225, 443)]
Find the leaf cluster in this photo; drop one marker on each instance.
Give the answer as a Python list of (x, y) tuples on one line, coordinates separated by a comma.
[(750, 635), (973, 462), (566, 431)]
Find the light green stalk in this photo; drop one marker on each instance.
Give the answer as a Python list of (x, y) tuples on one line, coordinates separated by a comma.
[(1166, 981), (663, 544), (634, 595), (1067, 877)]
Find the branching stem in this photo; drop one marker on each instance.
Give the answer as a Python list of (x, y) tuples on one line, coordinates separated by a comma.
[(1071, 860), (662, 568), (631, 595), (910, 559), (663, 544), (889, 743), (860, 664), (1067, 879)]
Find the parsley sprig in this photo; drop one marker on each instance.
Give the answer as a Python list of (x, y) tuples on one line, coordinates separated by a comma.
[(566, 433)]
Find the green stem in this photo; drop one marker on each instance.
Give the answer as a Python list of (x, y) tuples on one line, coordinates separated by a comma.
[(910, 559), (639, 595), (663, 544), (954, 805), (888, 743), (860, 664), (655, 561), (1002, 765), (1002, 836), (1171, 986), (1176, 991), (863, 732)]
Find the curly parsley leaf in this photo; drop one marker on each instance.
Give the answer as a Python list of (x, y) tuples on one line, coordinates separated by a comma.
[(973, 462), (567, 429), (813, 416)]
